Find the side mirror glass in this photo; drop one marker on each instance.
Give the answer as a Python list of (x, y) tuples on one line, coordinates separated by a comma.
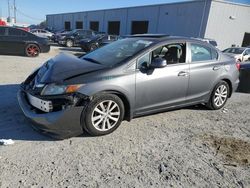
[(158, 63)]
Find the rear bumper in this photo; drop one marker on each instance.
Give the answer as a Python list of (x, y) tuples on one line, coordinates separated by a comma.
[(61, 124)]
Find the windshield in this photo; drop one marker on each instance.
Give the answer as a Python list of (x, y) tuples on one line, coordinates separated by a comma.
[(234, 50), (118, 51), (72, 32)]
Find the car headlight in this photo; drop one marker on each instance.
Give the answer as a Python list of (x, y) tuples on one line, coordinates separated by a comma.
[(53, 89)]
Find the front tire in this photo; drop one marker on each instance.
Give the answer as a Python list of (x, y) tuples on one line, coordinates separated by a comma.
[(93, 47), (69, 43), (103, 115), (219, 96)]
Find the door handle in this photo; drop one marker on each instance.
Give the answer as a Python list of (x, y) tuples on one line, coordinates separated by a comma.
[(183, 73), (215, 68)]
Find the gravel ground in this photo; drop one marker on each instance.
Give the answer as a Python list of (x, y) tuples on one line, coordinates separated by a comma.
[(191, 147)]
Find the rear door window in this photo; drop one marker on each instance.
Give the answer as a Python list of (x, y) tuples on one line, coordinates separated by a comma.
[(202, 53)]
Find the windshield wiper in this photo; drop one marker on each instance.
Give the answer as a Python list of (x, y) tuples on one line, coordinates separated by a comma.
[(91, 60)]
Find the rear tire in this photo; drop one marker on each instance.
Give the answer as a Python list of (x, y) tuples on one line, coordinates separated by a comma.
[(32, 50), (103, 115), (219, 96)]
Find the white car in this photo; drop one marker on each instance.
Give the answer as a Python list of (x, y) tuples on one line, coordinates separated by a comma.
[(42, 33), (240, 54)]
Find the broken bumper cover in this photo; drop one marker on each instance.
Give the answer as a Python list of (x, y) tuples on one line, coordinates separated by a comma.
[(60, 124)]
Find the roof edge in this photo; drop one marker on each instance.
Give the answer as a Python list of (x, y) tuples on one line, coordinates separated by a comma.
[(139, 6), (232, 3)]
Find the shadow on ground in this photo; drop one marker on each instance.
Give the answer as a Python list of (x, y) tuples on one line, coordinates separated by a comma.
[(13, 124), (73, 49)]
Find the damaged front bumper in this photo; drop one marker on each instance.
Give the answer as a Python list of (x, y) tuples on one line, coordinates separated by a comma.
[(63, 122)]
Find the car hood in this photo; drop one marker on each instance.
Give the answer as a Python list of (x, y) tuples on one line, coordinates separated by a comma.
[(64, 66)]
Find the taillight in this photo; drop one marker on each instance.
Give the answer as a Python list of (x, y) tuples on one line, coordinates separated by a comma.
[(238, 65)]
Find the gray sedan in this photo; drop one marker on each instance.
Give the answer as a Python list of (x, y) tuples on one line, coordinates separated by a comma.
[(131, 77)]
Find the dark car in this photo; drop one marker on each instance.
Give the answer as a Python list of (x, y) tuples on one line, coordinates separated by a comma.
[(58, 34), (73, 37), (17, 41), (244, 85), (128, 78), (90, 44)]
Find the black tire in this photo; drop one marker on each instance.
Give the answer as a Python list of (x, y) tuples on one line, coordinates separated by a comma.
[(32, 50), (93, 47), (69, 43), (89, 113), (212, 103)]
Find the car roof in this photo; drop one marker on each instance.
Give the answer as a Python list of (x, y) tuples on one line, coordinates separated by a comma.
[(14, 27), (242, 48), (164, 37), (161, 38), (148, 35)]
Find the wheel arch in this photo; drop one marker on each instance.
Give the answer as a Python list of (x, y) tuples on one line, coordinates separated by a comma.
[(32, 42), (125, 100), (228, 81)]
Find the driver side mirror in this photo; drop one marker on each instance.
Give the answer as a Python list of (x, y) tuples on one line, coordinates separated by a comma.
[(158, 62)]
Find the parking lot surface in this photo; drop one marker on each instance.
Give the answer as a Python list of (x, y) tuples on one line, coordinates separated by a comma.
[(190, 147)]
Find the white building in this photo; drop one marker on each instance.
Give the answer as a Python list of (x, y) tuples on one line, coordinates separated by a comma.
[(226, 22)]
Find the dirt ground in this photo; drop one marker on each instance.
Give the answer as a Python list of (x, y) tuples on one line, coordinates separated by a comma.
[(190, 147)]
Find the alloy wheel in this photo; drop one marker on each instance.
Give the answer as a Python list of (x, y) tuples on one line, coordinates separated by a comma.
[(221, 95), (105, 115), (69, 43), (32, 50)]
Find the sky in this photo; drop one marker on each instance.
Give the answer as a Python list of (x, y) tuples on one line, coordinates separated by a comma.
[(34, 11)]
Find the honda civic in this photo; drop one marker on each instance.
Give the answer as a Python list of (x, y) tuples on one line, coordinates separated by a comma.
[(132, 77)]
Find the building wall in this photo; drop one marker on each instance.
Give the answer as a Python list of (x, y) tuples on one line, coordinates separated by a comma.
[(186, 19), (200, 18), (224, 30)]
